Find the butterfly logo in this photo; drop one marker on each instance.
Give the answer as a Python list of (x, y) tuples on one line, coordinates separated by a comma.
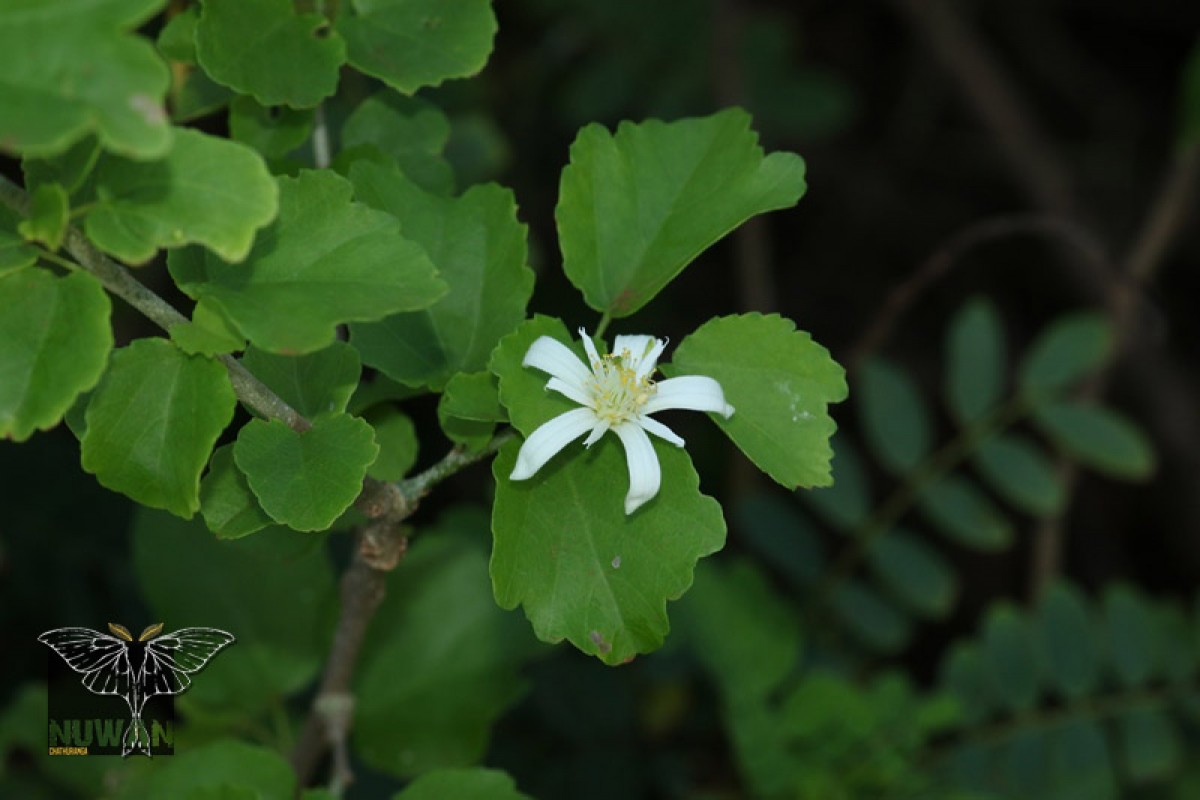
[(136, 669)]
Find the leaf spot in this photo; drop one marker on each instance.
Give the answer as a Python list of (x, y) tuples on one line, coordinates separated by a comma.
[(149, 109), (616, 562), (598, 639)]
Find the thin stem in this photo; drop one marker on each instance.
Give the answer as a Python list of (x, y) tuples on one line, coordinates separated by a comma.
[(602, 326), (55, 258)]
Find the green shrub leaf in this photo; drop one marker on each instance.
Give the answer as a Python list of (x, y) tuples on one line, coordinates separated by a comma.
[(894, 417), (1150, 745), (416, 668), (273, 132), (963, 514), (206, 190), (1008, 646), (326, 260), (847, 503), (49, 210), (397, 439), (780, 383), (413, 43), (975, 361), (474, 783), (70, 70), (1099, 438), (152, 423), (225, 769), (636, 207), (479, 248), (871, 619), (1019, 471), (54, 344), (469, 409), (317, 383), (1134, 646), (783, 537), (1070, 349), (15, 252), (1067, 637), (230, 509), (306, 480), (265, 49), (914, 572), (412, 131)]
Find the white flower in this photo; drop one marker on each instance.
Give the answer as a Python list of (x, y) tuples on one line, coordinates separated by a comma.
[(615, 394)]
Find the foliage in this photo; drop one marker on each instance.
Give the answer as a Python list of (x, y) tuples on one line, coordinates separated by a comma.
[(352, 304)]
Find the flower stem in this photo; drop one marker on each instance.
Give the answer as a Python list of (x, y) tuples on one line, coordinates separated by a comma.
[(602, 326)]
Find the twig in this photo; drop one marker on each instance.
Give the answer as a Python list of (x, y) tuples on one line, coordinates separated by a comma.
[(950, 254), (380, 547), (987, 90), (1160, 229)]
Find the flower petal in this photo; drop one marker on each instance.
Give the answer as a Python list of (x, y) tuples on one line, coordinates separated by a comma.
[(590, 347), (552, 356), (601, 428), (570, 390), (660, 430), (550, 437), (691, 392), (645, 476), (643, 353)]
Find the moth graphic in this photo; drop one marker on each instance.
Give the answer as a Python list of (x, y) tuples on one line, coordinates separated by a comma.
[(136, 670)]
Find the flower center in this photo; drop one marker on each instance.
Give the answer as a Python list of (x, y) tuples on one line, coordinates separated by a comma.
[(618, 392)]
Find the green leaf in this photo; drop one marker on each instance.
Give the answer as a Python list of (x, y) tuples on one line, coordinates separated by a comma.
[(475, 783), (480, 249), (275, 591), (412, 131), (15, 252), (225, 769), (1081, 762), (306, 480), (1069, 350), (195, 95), (975, 361), (964, 514), (397, 439), (1099, 438), (967, 676), (70, 70), (1008, 647), (230, 509), (847, 503), (1150, 745), (869, 618), (582, 568), (779, 382), (49, 213), (741, 630), (274, 132), (209, 333), (325, 260), (469, 409), (413, 43), (71, 168), (265, 49), (177, 39), (914, 572), (1067, 637), (635, 208), (318, 383), (54, 343), (1133, 646), (1019, 471), (893, 415), (436, 689), (206, 190), (152, 423), (783, 537)]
